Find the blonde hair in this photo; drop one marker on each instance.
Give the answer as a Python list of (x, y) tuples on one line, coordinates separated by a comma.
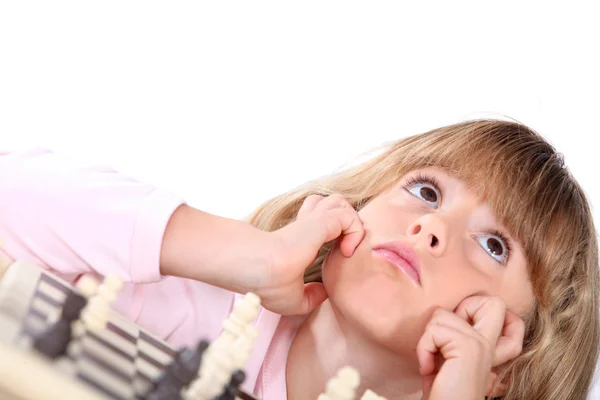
[(526, 184)]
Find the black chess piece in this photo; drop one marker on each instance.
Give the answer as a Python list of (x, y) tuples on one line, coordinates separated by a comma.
[(179, 374), (232, 388), (54, 340)]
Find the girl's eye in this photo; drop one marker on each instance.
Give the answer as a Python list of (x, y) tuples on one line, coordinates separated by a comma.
[(424, 189), (496, 245)]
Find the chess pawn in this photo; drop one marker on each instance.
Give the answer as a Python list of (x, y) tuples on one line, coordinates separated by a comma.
[(242, 348), (87, 286), (232, 390), (188, 362), (215, 372), (54, 341), (178, 374), (97, 313), (110, 287), (370, 395), (243, 313), (342, 386)]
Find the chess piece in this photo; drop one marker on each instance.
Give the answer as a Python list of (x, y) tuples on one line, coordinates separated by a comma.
[(342, 386), (215, 373), (232, 389), (110, 287), (243, 313), (242, 347), (370, 395), (87, 287), (178, 374), (221, 358), (53, 342), (95, 316)]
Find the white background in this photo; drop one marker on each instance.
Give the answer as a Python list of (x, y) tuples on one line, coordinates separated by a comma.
[(229, 103)]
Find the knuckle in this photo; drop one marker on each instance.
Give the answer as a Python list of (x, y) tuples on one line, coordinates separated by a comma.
[(331, 224), (308, 203), (336, 197), (438, 313), (347, 213), (436, 317), (497, 301), (353, 215), (311, 197), (431, 324)]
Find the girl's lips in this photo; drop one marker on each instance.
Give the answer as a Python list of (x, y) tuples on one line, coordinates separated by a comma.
[(403, 257)]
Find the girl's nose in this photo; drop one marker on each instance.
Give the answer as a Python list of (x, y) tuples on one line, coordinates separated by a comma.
[(431, 232)]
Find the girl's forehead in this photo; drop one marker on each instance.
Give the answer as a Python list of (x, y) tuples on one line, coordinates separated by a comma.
[(461, 178)]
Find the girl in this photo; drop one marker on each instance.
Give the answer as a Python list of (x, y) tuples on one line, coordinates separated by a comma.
[(457, 264)]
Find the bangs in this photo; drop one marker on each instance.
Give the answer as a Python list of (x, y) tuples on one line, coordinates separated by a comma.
[(513, 169)]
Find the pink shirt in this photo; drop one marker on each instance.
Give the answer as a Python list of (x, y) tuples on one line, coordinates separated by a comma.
[(74, 218)]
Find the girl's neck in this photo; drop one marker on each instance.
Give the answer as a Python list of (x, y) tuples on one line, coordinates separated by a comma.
[(324, 343)]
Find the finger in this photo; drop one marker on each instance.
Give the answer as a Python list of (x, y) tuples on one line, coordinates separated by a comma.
[(487, 313), (510, 344), (346, 222), (332, 201), (314, 294), (309, 204), (427, 384), (447, 318), (437, 338)]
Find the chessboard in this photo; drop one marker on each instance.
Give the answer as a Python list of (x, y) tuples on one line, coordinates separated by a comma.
[(119, 360), (64, 342)]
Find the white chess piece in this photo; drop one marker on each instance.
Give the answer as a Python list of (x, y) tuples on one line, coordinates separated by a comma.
[(243, 313), (87, 286), (237, 338), (97, 312), (215, 372), (342, 386), (242, 347), (230, 350), (109, 289), (370, 395)]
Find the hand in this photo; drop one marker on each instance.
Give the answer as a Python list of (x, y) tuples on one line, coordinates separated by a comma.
[(319, 221), (458, 350)]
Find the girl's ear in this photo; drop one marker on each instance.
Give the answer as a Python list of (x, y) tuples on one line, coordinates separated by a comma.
[(495, 388)]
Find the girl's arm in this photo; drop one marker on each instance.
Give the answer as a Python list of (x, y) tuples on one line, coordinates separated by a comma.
[(74, 217), (236, 256), (216, 250)]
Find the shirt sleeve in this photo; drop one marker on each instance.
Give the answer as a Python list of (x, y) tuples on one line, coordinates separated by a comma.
[(73, 218)]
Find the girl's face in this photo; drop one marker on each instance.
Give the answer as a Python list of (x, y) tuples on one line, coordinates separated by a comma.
[(460, 250)]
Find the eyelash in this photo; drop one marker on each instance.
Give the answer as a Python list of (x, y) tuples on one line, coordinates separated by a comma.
[(430, 180), (426, 179)]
